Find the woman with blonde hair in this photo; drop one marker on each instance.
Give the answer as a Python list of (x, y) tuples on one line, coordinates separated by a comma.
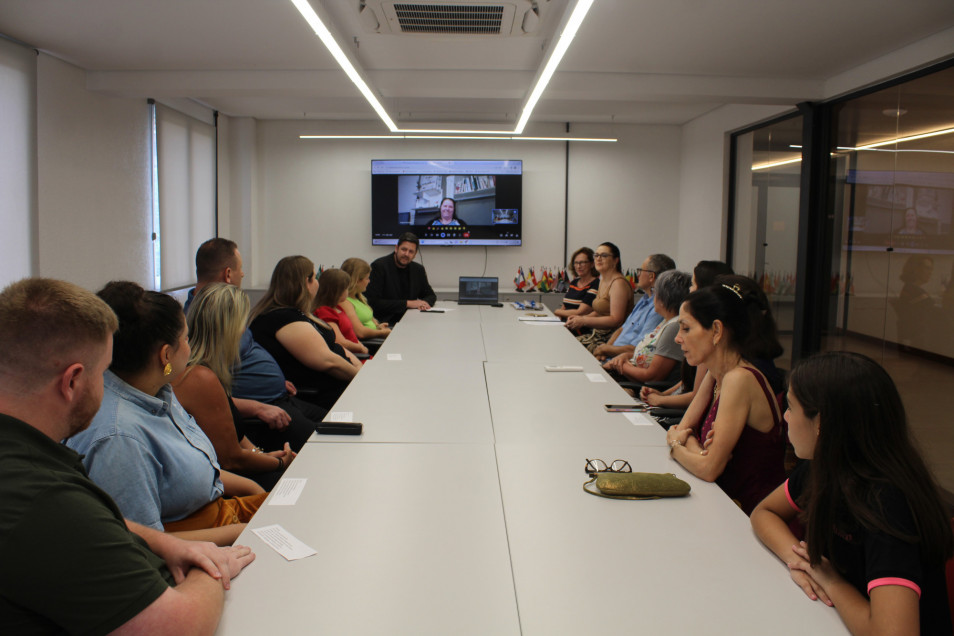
[(357, 308), (303, 346), (216, 321)]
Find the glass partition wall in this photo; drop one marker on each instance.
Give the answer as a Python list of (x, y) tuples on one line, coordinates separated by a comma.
[(892, 251), (875, 232), (764, 239)]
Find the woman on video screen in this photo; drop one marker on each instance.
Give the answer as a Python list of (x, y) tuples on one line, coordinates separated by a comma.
[(448, 213)]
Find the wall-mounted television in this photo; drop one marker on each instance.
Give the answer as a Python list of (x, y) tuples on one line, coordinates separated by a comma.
[(485, 206)]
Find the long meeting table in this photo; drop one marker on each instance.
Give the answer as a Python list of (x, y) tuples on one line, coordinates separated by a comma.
[(460, 509)]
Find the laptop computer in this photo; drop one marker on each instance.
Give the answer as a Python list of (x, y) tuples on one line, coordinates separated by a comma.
[(477, 290)]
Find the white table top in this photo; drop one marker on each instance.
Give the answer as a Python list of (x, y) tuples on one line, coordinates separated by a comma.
[(474, 507), (584, 564), (520, 342), (532, 405), (410, 540), (413, 400)]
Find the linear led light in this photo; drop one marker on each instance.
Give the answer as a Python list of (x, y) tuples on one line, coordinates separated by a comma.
[(566, 38), (449, 131), (877, 144), (901, 140), (569, 32), (774, 164), (508, 137), (909, 150), (324, 34)]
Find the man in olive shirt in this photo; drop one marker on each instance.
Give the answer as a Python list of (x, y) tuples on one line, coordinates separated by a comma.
[(70, 562)]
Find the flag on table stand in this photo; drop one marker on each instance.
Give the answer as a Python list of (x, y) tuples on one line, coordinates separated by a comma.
[(631, 277), (520, 281), (544, 285), (533, 280)]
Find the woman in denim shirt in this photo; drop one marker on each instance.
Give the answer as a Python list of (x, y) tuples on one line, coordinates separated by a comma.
[(142, 447)]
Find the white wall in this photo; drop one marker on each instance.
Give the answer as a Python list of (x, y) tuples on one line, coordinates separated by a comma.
[(705, 159), (626, 193), (923, 53), (315, 197), (18, 251), (93, 176)]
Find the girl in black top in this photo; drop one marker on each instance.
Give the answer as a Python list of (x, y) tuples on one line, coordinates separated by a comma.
[(877, 535)]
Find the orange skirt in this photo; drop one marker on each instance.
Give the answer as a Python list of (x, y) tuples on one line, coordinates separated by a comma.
[(221, 512)]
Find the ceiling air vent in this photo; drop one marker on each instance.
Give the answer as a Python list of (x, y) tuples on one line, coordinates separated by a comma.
[(453, 18), (449, 19)]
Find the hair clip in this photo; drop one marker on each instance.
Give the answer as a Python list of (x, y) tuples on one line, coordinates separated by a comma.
[(735, 289)]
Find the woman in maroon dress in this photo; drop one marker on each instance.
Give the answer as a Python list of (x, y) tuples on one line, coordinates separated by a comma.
[(732, 432)]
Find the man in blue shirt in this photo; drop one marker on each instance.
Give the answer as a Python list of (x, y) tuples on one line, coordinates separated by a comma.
[(643, 318), (259, 388)]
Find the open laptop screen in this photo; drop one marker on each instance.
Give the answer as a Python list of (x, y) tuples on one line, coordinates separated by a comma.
[(477, 290)]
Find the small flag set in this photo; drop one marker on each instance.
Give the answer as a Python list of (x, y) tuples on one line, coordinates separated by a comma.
[(778, 283), (549, 279)]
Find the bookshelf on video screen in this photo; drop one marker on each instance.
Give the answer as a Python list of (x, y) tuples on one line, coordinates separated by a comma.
[(447, 202)]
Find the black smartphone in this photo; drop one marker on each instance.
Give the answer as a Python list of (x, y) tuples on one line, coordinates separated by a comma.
[(339, 428)]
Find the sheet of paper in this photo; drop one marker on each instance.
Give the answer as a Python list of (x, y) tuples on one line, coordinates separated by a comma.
[(394, 356), (543, 323), (340, 416), (539, 319), (596, 377), (282, 541), (639, 419), (287, 491)]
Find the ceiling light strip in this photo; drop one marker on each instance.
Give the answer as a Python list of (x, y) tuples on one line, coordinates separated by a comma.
[(482, 138), (563, 43), (325, 36), (566, 38)]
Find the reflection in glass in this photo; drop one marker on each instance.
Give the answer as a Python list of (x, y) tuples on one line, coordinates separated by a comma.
[(893, 248), (765, 233)]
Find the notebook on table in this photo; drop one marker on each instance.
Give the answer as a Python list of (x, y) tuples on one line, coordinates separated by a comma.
[(477, 290)]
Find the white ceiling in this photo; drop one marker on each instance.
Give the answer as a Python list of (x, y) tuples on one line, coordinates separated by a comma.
[(634, 61)]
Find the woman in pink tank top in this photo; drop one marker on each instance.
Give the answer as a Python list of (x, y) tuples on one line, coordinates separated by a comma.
[(732, 432)]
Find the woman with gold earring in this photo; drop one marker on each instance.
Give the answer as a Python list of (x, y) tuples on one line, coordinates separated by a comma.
[(142, 447)]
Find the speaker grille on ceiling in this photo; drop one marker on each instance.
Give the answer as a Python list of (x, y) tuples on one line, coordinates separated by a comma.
[(449, 18)]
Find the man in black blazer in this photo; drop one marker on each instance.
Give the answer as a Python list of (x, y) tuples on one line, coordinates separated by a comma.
[(398, 283)]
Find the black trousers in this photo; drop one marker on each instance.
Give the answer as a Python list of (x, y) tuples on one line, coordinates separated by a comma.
[(304, 417)]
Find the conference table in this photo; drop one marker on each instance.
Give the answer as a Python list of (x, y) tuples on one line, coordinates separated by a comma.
[(460, 509)]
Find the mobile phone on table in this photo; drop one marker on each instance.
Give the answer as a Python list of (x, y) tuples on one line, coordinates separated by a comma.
[(339, 428), (626, 408)]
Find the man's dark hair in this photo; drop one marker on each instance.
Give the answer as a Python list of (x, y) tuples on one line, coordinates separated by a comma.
[(409, 237), (212, 257)]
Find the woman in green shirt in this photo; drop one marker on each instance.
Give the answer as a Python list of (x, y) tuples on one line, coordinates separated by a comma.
[(357, 308)]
